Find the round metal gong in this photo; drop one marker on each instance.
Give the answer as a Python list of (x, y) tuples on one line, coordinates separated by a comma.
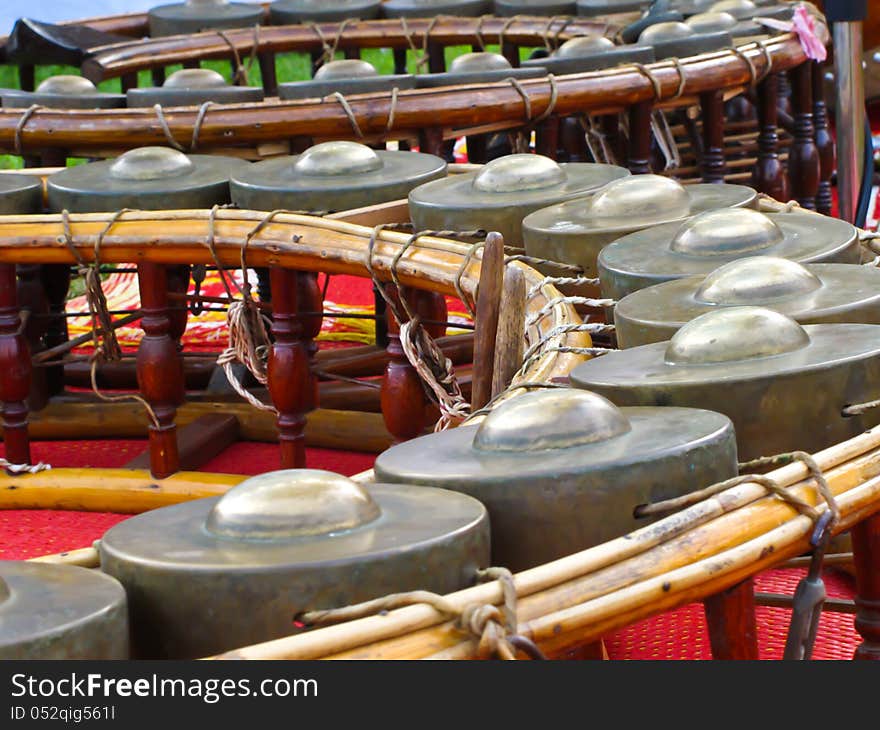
[(215, 574), (20, 194), (62, 92), (712, 22), (433, 8), (194, 16), (508, 8), (596, 8), (347, 76), (189, 86), (333, 176), (575, 231), (289, 12), (60, 612), (704, 242), (146, 178), (503, 192), (679, 40), (808, 293), (562, 470), (590, 53), (477, 68), (782, 384)]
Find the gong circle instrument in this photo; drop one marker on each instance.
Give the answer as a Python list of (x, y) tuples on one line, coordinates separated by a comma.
[(808, 293), (61, 612), (784, 385), (704, 242), (503, 192), (432, 8), (189, 86), (345, 76), (145, 178), (194, 16), (575, 231), (280, 544), (64, 91), (477, 68), (333, 176), (562, 470), (289, 12), (20, 194), (590, 53)]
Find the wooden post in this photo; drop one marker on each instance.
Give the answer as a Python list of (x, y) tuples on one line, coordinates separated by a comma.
[(486, 319), (547, 137), (56, 281), (32, 299), (866, 556), (712, 164), (309, 299), (436, 58), (510, 51), (399, 60), (266, 59), (824, 140), (572, 141), (158, 75), (730, 616), (640, 137), (768, 174), (128, 81), (26, 78), (509, 340), (159, 369), (288, 371), (431, 141), (178, 312), (803, 156), (15, 364)]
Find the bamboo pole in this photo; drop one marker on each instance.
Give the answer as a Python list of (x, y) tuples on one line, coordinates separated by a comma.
[(511, 326)]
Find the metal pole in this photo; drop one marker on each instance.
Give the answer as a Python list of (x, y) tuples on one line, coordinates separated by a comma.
[(849, 114)]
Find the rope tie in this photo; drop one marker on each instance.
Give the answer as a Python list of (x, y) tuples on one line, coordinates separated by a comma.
[(325, 47), (19, 127), (504, 28), (753, 72), (761, 44), (493, 626), (478, 31), (561, 281), (857, 409), (682, 81), (545, 34), (240, 74), (197, 127), (15, 469), (648, 74), (563, 329), (393, 110), (520, 141), (534, 261), (459, 290), (163, 123), (771, 485), (426, 38), (551, 304), (592, 132), (338, 37), (349, 113)]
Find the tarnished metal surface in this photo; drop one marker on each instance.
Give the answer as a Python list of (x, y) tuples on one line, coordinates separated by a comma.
[(64, 91), (753, 364), (285, 12), (145, 178), (477, 68), (333, 176), (595, 8), (215, 574), (430, 8), (60, 612), (346, 76), (560, 471), (194, 16), (576, 55), (808, 293), (20, 194), (702, 243), (503, 192), (508, 8), (679, 40), (576, 231), (189, 86)]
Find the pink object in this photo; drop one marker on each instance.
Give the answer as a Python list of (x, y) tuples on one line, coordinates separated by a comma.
[(804, 25)]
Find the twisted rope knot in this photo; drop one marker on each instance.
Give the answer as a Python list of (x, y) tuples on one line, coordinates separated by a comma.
[(15, 469), (485, 622)]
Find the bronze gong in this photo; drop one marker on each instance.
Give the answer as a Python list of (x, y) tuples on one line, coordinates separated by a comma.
[(575, 231), (189, 86), (784, 385), (60, 612), (679, 40), (333, 176), (477, 68), (145, 178), (289, 12), (590, 53), (503, 192), (704, 242), (433, 8), (562, 470), (346, 76), (509, 8), (62, 92), (194, 16), (215, 574), (597, 8), (20, 194), (808, 293)]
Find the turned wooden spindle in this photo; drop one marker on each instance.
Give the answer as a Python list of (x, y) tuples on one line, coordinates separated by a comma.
[(547, 137), (56, 282), (178, 312), (768, 174), (310, 299), (783, 98), (510, 51), (266, 59), (712, 163), (402, 396), (803, 156), (730, 618), (32, 300), (572, 141), (290, 383), (15, 364), (824, 140), (159, 369), (866, 556), (436, 57), (640, 137)]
